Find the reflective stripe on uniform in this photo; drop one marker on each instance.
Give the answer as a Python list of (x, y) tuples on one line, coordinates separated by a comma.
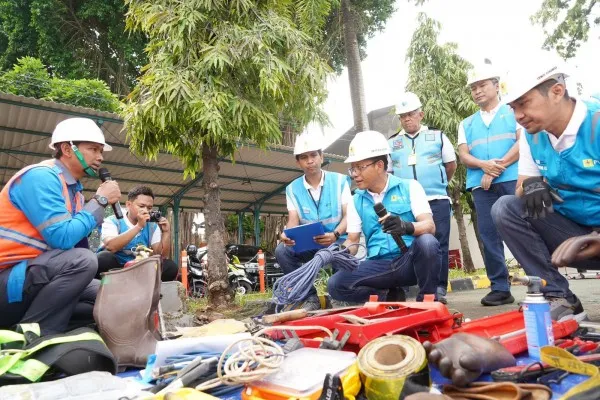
[(17, 237), (53, 221), (495, 138)]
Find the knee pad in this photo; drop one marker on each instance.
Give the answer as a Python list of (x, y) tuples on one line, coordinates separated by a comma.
[(125, 311)]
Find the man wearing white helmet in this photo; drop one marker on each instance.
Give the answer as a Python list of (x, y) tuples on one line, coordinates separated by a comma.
[(488, 146), (428, 157), (558, 190), (409, 216), (315, 196), (46, 269)]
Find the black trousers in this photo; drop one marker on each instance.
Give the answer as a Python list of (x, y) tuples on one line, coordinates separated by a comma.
[(108, 261), (58, 293)]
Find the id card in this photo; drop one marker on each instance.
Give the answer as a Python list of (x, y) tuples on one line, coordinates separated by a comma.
[(412, 159)]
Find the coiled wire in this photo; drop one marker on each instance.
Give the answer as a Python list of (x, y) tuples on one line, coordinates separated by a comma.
[(297, 285)]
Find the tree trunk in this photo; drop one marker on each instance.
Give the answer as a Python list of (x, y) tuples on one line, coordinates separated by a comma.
[(474, 222), (357, 90), (219, 294), (467, 260)]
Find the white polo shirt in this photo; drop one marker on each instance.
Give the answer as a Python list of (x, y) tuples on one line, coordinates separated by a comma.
[(418, 205), (316, 193), (111, 230), (527, 165)]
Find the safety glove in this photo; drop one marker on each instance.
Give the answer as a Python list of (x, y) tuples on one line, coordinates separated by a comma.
[(538, 197), (394, 224)]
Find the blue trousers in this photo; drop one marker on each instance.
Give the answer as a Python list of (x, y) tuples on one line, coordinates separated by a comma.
[(420, 265), (441, 216), (493, 248), (532, 242)]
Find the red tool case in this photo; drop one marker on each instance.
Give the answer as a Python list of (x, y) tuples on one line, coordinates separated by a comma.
[(424, 321)]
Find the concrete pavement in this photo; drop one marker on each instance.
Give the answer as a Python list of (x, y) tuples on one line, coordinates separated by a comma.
[(468, 302)]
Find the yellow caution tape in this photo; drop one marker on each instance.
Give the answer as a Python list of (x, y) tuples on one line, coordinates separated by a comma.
[(562, 359), (185, 394), (388, 363)]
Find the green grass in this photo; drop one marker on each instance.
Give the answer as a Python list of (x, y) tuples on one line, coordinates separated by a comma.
[(243, 307)]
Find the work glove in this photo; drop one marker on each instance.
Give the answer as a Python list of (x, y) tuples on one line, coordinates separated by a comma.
[(538, 197), (394, 224)]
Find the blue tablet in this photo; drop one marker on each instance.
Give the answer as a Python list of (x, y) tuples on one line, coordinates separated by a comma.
[(303, 236)]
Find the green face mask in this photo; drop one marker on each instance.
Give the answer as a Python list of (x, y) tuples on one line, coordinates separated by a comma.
[(86, 168)]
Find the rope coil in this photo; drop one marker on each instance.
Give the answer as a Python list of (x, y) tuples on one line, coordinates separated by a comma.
[(296, 286)]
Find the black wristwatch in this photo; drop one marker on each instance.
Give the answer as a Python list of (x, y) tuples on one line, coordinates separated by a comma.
[(336, 234), (103, 201)]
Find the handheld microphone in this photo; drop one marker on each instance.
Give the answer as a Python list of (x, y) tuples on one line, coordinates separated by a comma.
[(105, 176), (382, 213)]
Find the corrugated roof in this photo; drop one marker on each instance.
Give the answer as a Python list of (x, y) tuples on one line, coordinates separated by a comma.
[(255, 176)]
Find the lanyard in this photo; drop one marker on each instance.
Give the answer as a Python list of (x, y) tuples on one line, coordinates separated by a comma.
[(316, 203)]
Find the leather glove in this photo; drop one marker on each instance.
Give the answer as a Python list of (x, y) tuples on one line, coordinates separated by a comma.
[(395, 224), (538, 197)]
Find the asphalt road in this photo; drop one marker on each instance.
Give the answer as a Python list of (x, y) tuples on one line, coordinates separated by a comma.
[(468, 302)]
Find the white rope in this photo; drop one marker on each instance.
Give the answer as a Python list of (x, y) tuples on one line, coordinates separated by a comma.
[(256, 358)]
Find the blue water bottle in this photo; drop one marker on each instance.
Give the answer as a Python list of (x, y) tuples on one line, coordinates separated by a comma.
[(536, 313)]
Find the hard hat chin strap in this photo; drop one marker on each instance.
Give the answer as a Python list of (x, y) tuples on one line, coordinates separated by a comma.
[(86, 168)]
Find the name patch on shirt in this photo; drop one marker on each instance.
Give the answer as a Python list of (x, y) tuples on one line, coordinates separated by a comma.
[(429, 137), (589, 163), (541, 165), (395, 198)]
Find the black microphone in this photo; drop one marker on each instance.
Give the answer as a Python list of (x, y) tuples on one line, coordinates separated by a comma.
[(382, 213), (105, 176)]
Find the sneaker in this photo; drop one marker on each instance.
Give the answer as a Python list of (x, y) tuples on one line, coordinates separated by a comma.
[(497, 298), (561, 307), (441, 295)]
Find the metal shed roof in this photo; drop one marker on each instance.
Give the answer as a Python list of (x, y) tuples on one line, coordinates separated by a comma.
[(256, 177)]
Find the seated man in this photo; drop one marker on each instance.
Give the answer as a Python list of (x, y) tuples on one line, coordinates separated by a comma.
[(121, 236), (410, 217), (46, 269), (316, 196), (558, 194)]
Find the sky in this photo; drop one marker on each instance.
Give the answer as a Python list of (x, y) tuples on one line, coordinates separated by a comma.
[(496, 29)]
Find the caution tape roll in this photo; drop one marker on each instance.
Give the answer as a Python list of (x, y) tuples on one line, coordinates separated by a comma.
[(562, 359), (392, 366)]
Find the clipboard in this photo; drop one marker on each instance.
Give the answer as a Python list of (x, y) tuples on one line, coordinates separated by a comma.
[(303, 236)]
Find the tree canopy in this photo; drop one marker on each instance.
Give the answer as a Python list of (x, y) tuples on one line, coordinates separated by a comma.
[(438, 75), (219, 73), (29, 77), (566, 23), (371, 16), (74, 38)]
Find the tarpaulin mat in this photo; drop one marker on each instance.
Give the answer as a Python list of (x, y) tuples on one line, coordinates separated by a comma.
[(557, 390)]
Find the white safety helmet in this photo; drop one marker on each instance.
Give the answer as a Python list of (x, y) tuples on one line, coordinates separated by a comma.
[(408, 102), (367, 144), (308, 142), (78, 130), (482, 73), (525, 78)]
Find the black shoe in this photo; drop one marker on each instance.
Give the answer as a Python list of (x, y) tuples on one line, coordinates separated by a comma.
[(396, 295), (497, 298)]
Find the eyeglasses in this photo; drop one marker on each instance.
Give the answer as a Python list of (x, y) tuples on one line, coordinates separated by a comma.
[(359, 169)]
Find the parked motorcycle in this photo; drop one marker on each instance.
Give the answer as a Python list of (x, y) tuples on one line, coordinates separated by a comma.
[(197, 274)]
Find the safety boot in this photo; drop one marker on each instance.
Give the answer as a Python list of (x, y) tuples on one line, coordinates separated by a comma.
[(126, 310)]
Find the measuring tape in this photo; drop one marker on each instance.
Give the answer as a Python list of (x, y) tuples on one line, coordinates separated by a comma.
[(391, 366), (562, 359)]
